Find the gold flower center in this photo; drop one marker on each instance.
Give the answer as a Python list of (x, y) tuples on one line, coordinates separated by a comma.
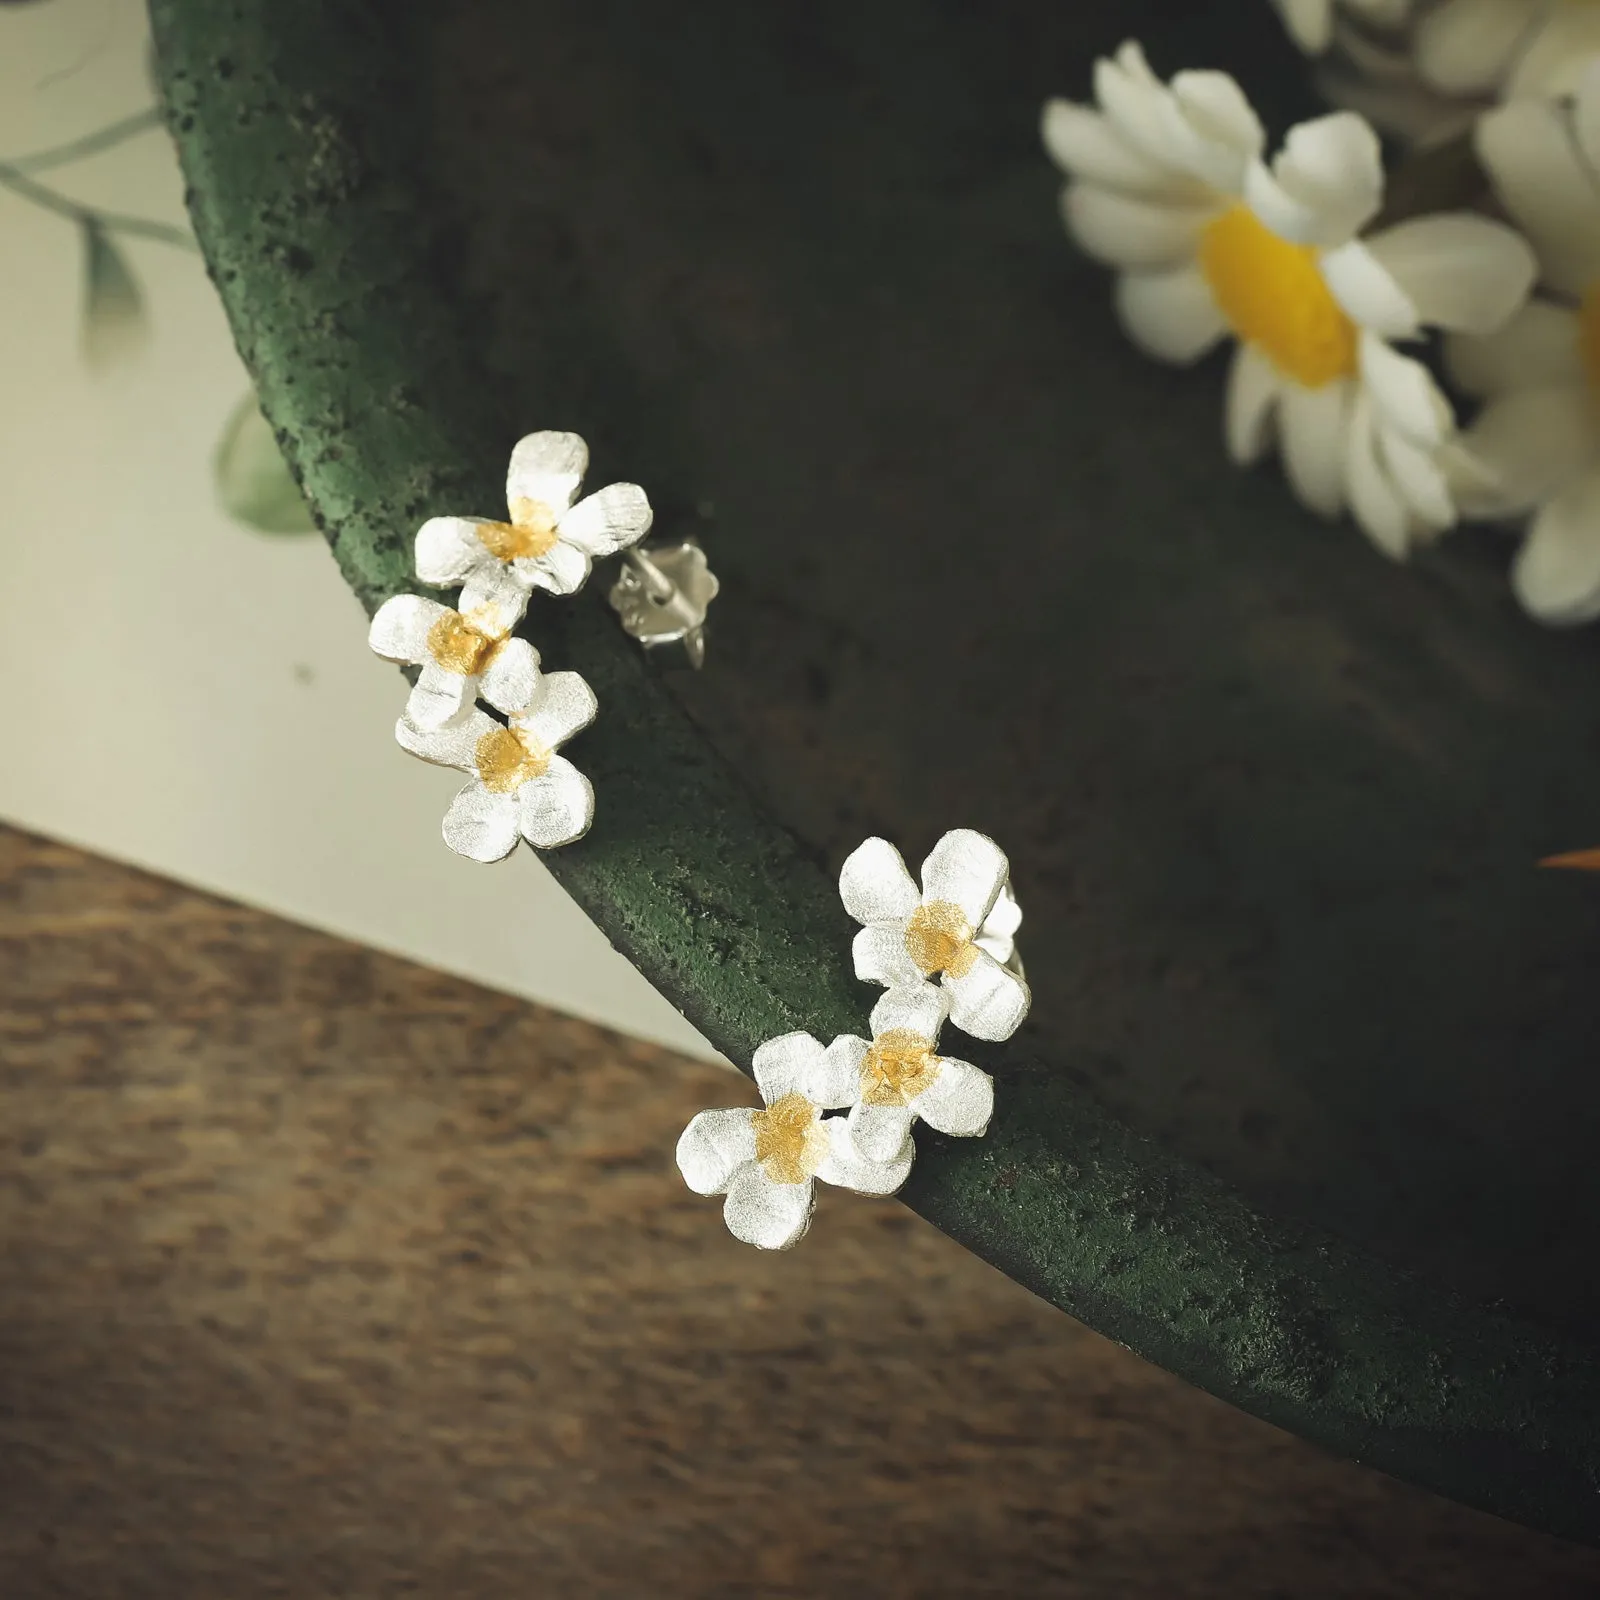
[(1589, 335), (530, 532), (790, 1143), (939, 939), (459, 647), (898, 1067), (1272, 294), (507, 758)]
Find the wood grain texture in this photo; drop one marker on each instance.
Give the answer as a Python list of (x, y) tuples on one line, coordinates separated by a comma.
[(327, 1275)]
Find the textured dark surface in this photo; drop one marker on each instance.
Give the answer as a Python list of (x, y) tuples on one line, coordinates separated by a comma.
[(326, 1275), (1273, 805), (302, 128)]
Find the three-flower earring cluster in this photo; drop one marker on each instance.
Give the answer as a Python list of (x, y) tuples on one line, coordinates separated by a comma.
[(944, 951), (520, 786)]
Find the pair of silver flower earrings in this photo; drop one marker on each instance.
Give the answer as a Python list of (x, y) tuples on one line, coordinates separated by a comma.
[(944, 952)]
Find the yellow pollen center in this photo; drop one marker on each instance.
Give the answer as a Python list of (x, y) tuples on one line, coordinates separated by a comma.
[(507, 759), (530, 532), (898, 1067), (790, 1143), (1273, 296), (459, 647), (1589, 336), (939, 939)]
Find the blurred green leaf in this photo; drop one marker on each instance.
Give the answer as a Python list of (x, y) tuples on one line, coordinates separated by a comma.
[(114, 325), (252, 478)]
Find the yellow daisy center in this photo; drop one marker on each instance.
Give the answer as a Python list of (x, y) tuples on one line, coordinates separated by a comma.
[(898, 1067), (507, 758), (530, 532), (458, 646), (939, 939), (1272, 295), (1589, 335), (790, 1143)]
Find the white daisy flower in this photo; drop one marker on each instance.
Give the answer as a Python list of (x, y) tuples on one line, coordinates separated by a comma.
[(899, 1076), (1168, 183), (520, 786), (1311, 22), (767, 1162), (1536, 445), (548, 543), (1510, 49), (957, 927), (462, 654)]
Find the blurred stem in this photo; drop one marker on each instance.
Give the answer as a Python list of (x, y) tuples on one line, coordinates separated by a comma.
[(90, 144), (111, 221)]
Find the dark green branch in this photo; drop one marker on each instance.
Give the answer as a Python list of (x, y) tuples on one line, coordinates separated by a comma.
[(90, 144), (110, 221)]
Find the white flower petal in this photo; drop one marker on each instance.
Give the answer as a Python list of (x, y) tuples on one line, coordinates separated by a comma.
[(1325, 185), (846, 1168), (557, 808), (987, 1000), (771, 1216), (714, 1146), (1538, 346), (493, 599), (1310, 23), (1134, 100), (1084, 145), (439, 696), (480, 825), (1418, 477), (609, 520), (1005, 916), (966, 869), (399, 630), (1464, 46), (563, 705), (454, 745), (1460, 271), (1225, 134), (562, 569), (1586, 113), (1311, 430), (918, 1008), (511, 679), (1557, 572), (1126, 232), (959, 1101), (835, 1081), (1374, 501), (547, 467), (1403, 393), (1171, 314), (875, 885), (1554, 60), (1254, 385), (1533, 161), (1526, 446), (880, 956), (879, 1133), (1368, 291), (785, 1065), (448, 548)]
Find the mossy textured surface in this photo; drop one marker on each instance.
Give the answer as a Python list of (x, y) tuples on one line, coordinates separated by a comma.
[(300, 125)]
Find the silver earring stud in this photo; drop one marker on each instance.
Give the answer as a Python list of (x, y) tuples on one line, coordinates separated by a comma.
[(662, 596)]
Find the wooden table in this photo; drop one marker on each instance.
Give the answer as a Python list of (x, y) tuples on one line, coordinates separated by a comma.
[(327, 1275)]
